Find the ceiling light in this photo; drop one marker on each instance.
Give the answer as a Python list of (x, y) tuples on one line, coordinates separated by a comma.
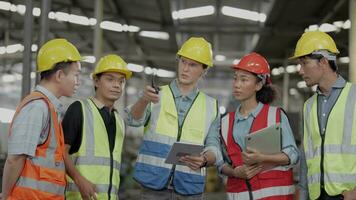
[(344, 59), (5, 5), (347, 24), (291, 69), (14, 48), (36, 11), (148, 70), (77, 19), (236, 61), (155, 34), (62, 16), (89, 59), (112, 26), (275, 72), (301, 84), (243, 14), (193, 12), (222, 110), (165, 73), (326, 27), (220, 58), (135, 67), (34, 47)]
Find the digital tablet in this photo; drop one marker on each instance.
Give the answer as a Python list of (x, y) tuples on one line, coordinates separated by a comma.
[(267, 140), (180, 149)]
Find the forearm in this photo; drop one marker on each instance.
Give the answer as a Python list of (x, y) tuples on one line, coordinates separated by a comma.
[(276, 159), (138, 109), (228, 170), (70, 167), (12, 170), (210, 158)]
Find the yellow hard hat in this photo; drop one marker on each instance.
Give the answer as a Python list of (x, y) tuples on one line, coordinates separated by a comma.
[(198, 49), (56, 51), (314, 41), (112, 63)]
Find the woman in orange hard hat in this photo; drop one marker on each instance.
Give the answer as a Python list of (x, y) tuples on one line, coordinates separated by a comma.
[(252, 174)]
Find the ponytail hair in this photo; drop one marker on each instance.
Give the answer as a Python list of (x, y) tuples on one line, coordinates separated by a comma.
[(267, 94)]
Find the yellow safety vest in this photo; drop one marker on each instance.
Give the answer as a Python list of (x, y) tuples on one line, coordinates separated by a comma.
[(336, 153), (163, 130), (93, 159)]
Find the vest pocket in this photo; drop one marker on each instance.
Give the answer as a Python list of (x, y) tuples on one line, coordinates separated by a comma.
[(51, 175)]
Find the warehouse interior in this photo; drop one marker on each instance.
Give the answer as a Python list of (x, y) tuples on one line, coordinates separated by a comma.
[(147, 35)]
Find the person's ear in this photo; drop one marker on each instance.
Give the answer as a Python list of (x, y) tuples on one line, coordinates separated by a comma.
[(58, 75), (324, 62), (259, 85)]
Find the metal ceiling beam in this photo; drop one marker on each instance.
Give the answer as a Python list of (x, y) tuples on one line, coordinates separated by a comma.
[(133, 37)]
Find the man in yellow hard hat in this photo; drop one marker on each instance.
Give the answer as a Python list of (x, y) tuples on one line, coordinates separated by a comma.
[(34, 168), (328, 164), (178, 112), (94, 134)]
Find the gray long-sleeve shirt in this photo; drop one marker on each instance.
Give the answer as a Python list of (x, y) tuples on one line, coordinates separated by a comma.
[(325, 104)]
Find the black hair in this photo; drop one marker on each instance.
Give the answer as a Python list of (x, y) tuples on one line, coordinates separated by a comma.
[(267, 94), (64, 66), (318, 57), (98, 76)]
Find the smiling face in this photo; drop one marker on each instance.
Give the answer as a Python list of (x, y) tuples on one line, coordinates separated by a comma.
[(189, 71), (110, 85), (245, 85)]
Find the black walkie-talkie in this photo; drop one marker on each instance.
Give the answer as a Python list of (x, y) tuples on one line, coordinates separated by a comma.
[(153, 84)]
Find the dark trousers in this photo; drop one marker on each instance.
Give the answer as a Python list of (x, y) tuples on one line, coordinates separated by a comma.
[(325, 196)]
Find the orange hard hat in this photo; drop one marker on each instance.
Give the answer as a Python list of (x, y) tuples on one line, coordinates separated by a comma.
[(254, 63)]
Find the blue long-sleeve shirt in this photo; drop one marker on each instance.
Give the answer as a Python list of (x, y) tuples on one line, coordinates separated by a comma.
[(242, 126), (183, 103)]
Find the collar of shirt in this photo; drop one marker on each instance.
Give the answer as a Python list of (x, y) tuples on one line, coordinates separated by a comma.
[(253, 113), (177, 94), (54, 100), (339, 83), (99, 104)]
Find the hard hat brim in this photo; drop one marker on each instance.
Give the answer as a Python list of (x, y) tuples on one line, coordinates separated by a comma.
[(127, 73)]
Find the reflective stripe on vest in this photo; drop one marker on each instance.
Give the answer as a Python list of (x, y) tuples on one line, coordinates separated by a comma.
[(93, 157), (43, 176), (263, 193), (163, 130), (276, 183), (339, 145)]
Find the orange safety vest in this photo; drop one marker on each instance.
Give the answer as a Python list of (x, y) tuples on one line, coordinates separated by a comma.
[(275, 183), (43, 176)]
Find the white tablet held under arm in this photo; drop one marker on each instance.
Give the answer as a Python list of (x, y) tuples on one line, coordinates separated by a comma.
[(267, 140)]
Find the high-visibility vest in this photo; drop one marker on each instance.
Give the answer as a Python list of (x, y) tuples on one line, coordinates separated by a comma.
[(275, 183), (43, 176), (93, 159), (331, 156), (163, 130)]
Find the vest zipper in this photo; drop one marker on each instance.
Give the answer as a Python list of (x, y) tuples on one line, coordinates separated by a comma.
[(171, 175), (249, 189), (180, 127), (111, 174), (322, 161)]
